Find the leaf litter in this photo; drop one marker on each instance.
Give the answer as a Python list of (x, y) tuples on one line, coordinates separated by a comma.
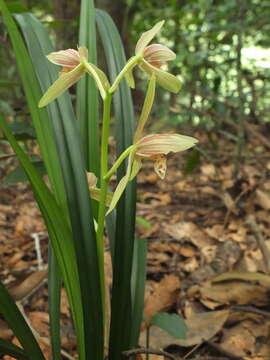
[(205, 262)]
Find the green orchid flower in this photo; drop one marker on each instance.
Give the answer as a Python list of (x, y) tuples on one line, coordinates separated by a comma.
[(152, 147), (150, 59), (74, 64)]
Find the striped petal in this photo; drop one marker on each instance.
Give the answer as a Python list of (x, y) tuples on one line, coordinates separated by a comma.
[(157, 144), (146, 37), (65, 58), (157, 53), (164, 79), (61, 85)]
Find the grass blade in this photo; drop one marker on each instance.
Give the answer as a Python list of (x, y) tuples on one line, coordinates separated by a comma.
[(17, 323), (121, 326), (42, 126), (87, 93), (137, 287), (59, 232), (54, 295), (73, 167), (39, 116)]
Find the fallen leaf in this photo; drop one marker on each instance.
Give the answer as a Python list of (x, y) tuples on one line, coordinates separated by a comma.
[(233, 292), (164, 296), (33, 281), (246, 339), (263, 199), (200, 328), (257, 277), (184, 231)]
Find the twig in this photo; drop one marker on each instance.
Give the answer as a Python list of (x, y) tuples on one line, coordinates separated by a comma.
[(192, 351), (37, 238), (132, 352), (251, 309), (260, 241)]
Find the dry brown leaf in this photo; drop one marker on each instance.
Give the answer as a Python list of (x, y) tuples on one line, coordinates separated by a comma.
[(33, 281), (208, 170), (245, 339), (157, 199), (263, 199), (216, 231), (187, 250), (164, 296), (40, 322), (229, 202), (5, 331), (190, 265), (200, 328), (257, 277), (233, 292), (188, 231)]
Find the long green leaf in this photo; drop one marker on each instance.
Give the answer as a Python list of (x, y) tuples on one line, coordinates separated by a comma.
[(54, 296), (16, 321), (87, 93), (39, 116), (137, 287), (43, 129), (59, 232), (7, 348), (121, 309), (73, 167)]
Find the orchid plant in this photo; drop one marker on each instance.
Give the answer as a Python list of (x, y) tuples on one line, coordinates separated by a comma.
[(150, 59), (77, 236)]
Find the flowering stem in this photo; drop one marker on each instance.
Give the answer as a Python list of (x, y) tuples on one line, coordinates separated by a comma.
[(103, 189), (118, 162), (132, 62)]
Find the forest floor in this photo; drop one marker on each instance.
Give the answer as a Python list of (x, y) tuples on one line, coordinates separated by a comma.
[(208, 254)]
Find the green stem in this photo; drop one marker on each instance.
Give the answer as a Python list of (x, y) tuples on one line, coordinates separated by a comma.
[(129, 66), (103, 189), (118, 162)]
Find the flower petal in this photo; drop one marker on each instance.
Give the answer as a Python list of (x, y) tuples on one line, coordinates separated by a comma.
[(61, 84), (160, 166), (65, 58), (122, 183), (99, 77), (137, 164), (156, 144), (130, 79), (147, 106), (158, 53), (146, 37), (91, 179), (95, 194), (164, 79)]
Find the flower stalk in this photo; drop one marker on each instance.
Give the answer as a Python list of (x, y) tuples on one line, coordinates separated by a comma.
[(103, 186), (135, 60)]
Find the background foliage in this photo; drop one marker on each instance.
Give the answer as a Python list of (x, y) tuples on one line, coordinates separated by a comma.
[(217, 42)]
